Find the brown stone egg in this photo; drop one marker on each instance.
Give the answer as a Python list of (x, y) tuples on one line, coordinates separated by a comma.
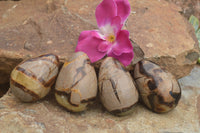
[(32, 79), (76, 85), (117, 91), (158, 89)]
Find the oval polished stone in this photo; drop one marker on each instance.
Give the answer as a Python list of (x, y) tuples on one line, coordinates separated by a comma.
[(32, 79), (76, 85), (158, 89), (117, 91)]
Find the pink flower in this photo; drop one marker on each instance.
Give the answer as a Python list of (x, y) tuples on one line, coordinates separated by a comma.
[(110, 39)]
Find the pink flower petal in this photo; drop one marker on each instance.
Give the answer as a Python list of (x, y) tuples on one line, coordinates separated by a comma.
[(105, 11), (123, 44), (104, 46), (123, 9), (86, 33), (124, 58), (89, 42), (83, 35), (116, 24)]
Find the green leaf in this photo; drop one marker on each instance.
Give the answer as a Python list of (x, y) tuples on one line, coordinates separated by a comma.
[(198, 34), (198, 61), (195, 22)]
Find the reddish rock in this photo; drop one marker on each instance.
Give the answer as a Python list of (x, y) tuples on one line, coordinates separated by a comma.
[(188, 7), (164, 35), (159, 29), (54, 27), (40, 33)]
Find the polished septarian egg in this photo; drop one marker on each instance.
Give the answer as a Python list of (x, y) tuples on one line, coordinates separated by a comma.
[(117, 91), (76, 85), (158, 89), (32, 79)]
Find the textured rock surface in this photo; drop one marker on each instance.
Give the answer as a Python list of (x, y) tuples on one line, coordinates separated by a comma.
[(54, 26), (39, 30), (164, 35), (191, 88), (189, 7), (46, 116)]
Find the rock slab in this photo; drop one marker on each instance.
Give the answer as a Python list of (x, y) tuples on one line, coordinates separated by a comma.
[(46, 116), (50, 26), (164, 35)]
